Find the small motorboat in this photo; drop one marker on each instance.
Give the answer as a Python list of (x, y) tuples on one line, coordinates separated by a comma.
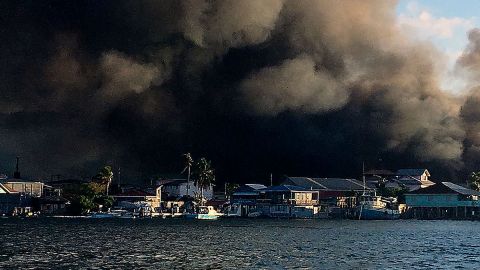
[(104, 215), (204, 212)]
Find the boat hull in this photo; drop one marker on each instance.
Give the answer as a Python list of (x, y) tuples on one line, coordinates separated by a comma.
[(377, 214), (201, 216)]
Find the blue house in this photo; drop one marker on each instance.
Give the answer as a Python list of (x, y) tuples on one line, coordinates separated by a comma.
[(443, 200), (244, 200)]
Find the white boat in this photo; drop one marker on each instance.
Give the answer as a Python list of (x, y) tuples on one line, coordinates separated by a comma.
[(234, 210), (204, 212), (114, 214)]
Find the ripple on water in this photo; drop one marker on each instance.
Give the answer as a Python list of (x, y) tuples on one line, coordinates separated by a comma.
[(237, 244)]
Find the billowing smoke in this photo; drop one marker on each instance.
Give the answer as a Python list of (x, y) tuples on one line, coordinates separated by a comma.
[(294, 85), (298, 87), (468, 65)]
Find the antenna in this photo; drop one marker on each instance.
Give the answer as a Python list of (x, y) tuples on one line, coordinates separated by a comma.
[(16, 174)]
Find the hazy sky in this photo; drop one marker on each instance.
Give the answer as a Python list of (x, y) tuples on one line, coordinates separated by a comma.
[(445, 23)]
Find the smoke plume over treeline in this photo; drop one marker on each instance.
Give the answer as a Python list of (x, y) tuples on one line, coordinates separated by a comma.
[(297, 87)]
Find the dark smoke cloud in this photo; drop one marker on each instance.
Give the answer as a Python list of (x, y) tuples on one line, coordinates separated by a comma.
[(468, 65), (289, 87)]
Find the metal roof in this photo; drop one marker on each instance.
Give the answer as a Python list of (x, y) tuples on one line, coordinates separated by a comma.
[(249, 189), (7, 189), (339, 184), (460, 189), (284, 188), (256, 186), (411, 172), (172, 182), (446, 188)]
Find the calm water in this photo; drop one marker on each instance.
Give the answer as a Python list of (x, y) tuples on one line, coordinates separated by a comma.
[(237, 244)]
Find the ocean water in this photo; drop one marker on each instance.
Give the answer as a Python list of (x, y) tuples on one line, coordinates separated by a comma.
[(55, 243)]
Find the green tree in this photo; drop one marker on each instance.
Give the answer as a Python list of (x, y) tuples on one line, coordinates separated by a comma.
[(230, 188), (204, 175), (474, 181), (188, 161), (89, 196), (105, 177)]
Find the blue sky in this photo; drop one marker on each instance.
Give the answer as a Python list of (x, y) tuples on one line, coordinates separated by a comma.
[(443, 22)]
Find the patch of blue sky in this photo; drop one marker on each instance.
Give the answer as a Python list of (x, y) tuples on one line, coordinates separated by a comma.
[(445, 23)]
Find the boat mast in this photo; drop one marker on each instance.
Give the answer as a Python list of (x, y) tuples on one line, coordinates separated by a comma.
[(363, 195), (363, 177)]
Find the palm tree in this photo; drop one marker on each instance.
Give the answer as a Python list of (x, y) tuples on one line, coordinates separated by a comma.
[(474, 181), (204, 175), (188, 165), (105, 176)]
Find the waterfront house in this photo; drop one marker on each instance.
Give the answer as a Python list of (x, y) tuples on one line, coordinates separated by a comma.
[(337, 196), (288, 201), (244, 199), (50, 205), (412, 179), (144, 201), (340, 192), (13, 202), (9, 199), (30, 188), (443, 200), (180, 187)]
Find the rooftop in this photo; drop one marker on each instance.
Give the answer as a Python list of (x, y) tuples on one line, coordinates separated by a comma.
[(412, 172), (284, 188), (446, 188), (378, 172), (338, 184), (172, 182), (134, 193), (6, 189)]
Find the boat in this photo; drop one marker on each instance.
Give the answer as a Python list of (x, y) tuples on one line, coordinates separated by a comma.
[(125, 214), (233, 210), (118, 213), (373, 207), (204, 212), (104, 215), (254, 214), (376, 208)]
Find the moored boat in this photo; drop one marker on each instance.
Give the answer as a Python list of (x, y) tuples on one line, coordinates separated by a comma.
[(204, 212), (104, 215), (376, 208)]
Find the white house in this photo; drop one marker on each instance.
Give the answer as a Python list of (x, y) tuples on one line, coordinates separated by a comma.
[(180, 188)]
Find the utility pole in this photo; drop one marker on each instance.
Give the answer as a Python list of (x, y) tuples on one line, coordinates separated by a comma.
[(271, 179), (119, 178)]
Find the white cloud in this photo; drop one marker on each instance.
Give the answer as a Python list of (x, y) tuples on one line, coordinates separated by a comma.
[(447, 33), (425, 25)]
